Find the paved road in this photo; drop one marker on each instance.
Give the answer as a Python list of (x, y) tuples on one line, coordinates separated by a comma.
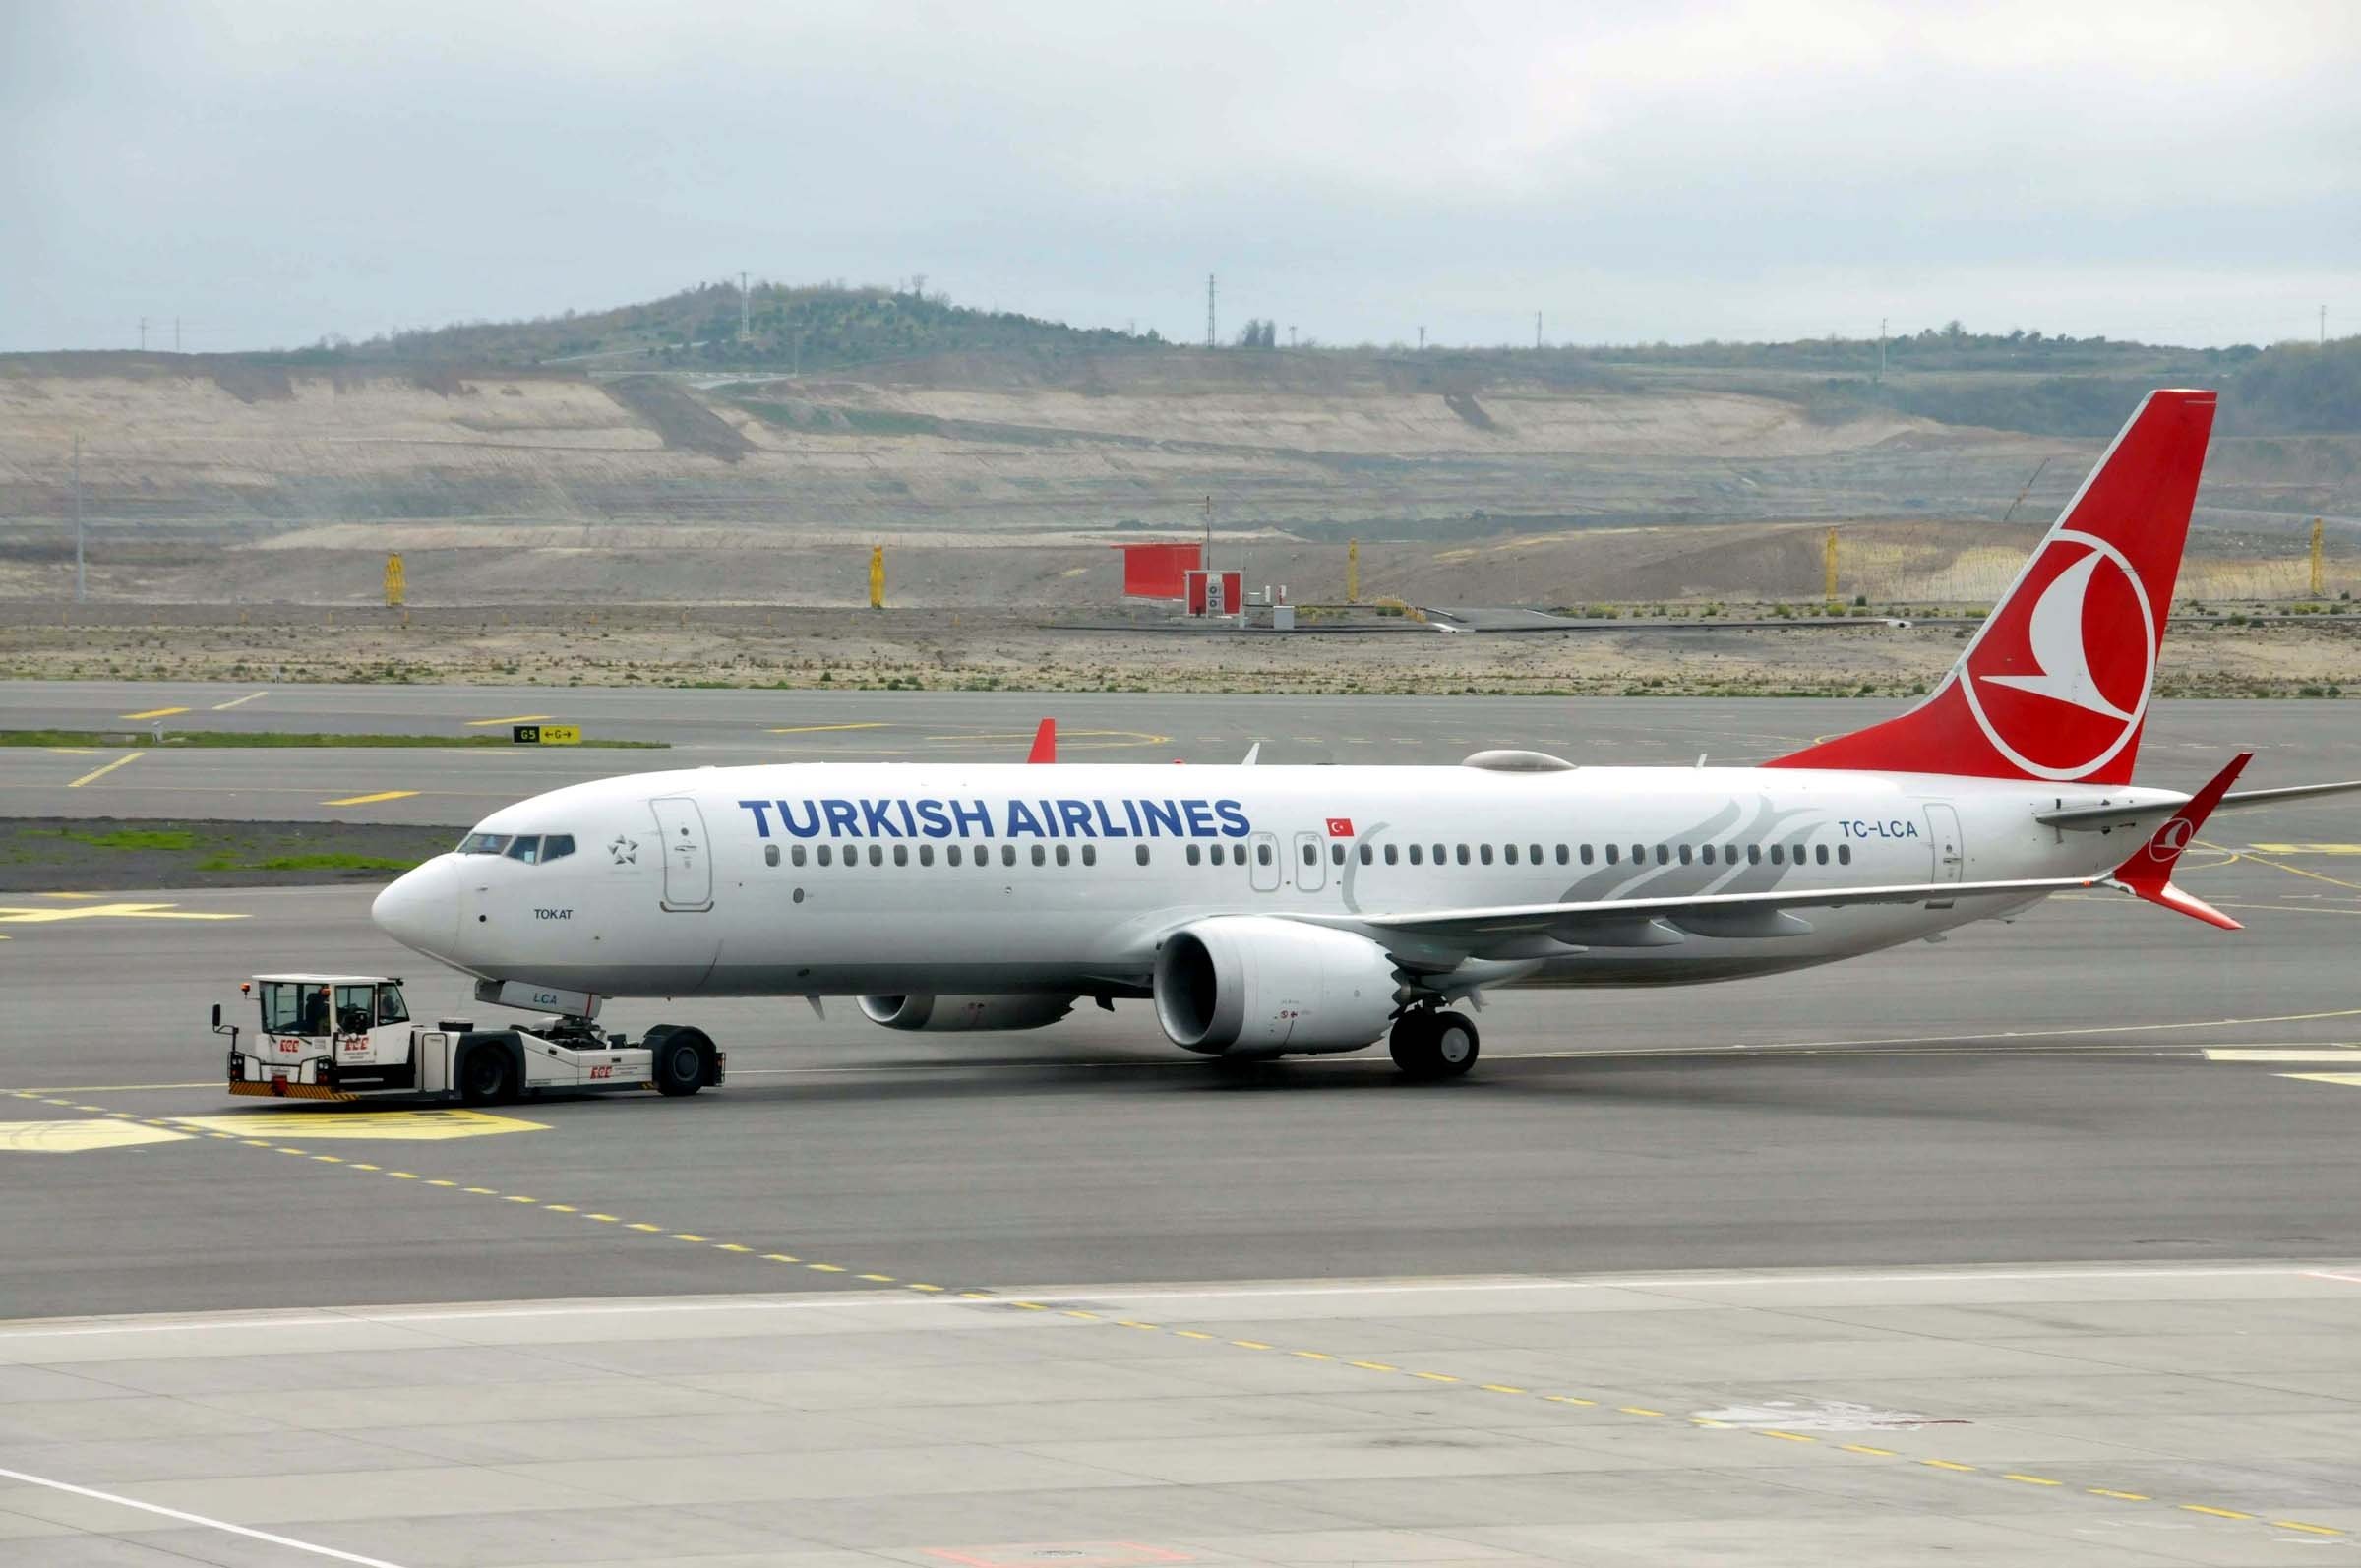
[(2186, 740)]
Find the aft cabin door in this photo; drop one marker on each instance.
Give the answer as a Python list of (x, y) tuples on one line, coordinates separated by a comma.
[(687, 861), (1951, 854)]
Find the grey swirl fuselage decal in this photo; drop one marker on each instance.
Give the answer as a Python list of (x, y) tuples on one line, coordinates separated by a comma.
[(1729, 827)]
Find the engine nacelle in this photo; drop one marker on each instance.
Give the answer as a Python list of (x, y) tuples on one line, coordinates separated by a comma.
[(940, 1014), (1256, 986)]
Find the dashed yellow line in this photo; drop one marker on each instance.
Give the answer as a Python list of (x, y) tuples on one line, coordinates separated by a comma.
[(152, 714), (514, 718), (814, 729), (372, 800)]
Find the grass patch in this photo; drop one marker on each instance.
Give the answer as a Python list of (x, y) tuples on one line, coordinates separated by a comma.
[(163, 838), (307, 862), (244, 738)]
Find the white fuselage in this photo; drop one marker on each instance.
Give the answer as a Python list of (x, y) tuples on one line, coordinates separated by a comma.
[(976, 879)]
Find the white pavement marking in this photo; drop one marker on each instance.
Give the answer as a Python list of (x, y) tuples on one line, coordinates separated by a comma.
[(199, 1519), (237, 701), (2282, 1053)]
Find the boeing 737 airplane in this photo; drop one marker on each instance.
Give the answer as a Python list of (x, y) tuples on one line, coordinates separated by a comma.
[(1270, 910)]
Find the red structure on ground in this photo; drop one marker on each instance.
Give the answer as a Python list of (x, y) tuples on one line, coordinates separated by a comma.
[(1158, 571)]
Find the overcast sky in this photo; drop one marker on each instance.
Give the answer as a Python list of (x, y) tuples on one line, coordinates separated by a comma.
[(272, 172)]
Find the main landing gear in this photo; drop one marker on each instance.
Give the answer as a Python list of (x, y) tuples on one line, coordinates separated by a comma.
[(1427, 1044)]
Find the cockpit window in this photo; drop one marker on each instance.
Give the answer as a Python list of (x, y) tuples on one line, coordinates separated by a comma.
[(533, 849)]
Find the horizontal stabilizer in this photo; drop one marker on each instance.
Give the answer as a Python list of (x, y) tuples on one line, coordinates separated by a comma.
[(2127, 814)]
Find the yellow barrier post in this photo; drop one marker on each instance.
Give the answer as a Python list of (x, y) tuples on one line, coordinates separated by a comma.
[(395, 588), (877, 577), (1828, 568), (1352, 572), (2319, 581)]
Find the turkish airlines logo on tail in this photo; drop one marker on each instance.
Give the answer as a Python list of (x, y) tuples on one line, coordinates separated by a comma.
[(2058, 680)]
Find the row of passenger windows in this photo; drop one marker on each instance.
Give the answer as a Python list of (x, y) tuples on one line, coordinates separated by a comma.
[(1613, 854), (1393, 854)]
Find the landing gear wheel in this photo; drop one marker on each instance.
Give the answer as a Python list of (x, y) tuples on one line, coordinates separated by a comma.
[(676, 1059), (487, 1076), (1434, 1045)]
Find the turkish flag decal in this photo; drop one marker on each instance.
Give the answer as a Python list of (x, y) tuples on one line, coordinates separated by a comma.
[(1340, 827)]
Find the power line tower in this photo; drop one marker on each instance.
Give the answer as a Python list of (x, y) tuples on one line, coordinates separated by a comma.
[(1209, 341)]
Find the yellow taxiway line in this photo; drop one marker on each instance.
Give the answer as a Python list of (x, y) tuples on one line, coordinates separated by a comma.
[(814, 729), (152, 713), (102, 773), (514, 718), (372, 800)]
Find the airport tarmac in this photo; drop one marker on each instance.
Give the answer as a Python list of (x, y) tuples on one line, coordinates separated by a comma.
[(2037, 1244)]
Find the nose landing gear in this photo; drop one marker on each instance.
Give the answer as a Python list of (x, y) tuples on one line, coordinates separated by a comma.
[(1430, 1045)]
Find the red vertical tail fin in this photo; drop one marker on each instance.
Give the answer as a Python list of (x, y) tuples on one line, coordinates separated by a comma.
[(2055, 684)]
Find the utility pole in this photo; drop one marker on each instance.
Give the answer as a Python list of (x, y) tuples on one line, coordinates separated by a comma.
[(744, 328), (2323, 327), (1291, 335), (1536, 330), (176, 334), (1881, 349), (1209, 326), (78, 582), (1206, 559), (2320, 590), (1421, 339), (142, 335)]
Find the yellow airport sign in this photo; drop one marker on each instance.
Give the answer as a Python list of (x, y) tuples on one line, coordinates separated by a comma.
[(546, 734)]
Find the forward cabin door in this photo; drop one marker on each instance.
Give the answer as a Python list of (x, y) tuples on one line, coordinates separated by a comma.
[(1949, 848), (688, 859)]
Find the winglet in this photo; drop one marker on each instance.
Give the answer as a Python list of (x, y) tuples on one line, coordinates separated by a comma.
[(2148, 871), (1045, 743)]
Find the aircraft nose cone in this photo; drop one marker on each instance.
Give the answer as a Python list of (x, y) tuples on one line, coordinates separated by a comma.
[(420, 908)]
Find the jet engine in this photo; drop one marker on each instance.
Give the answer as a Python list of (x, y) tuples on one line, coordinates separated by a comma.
[(1256, 986), (941, 1014)]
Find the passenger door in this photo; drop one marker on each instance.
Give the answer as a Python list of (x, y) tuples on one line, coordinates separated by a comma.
[(1950, 849), (687, 861)]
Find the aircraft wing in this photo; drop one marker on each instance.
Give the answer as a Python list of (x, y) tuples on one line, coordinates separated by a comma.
[(1662, 922), (2087, 818)]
